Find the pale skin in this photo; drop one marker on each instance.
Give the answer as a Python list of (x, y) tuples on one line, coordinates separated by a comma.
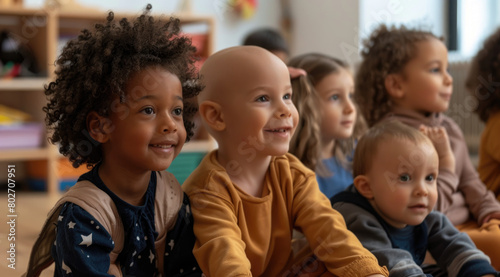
[(424, 85), (231, 96), (392, 201), (401, 190), (441, 142), (338, 112), (248, 109)]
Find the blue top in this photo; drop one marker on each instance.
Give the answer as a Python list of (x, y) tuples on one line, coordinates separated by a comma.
[(338, 180)]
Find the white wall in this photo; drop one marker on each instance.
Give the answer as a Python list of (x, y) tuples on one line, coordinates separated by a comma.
[(326, 26), (425, 14), (479, 19), (230, 30), (334, 27), (337, 27)]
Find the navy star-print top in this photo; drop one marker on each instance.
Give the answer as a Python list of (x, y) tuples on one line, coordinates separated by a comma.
[(83, 245)]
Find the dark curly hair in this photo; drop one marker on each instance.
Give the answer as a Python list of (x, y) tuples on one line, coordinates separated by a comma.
[(386, 51), (483, 73), (93, 70)]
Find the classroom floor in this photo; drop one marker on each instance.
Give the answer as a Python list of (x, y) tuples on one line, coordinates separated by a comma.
[(31, 211)]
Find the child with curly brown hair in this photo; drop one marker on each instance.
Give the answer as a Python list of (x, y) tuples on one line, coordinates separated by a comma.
[(119, 104), (483, 82), (404, 76), (329, 123)]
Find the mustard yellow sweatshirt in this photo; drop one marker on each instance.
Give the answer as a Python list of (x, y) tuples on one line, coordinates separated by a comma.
[(241, 235), (489, 155)]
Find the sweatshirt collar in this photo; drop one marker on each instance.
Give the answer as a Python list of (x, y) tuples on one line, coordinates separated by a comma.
[(415, 118)]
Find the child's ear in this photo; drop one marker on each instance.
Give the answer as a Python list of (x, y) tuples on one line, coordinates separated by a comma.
[(393, 85), (99, 127), (362, 184), (211, 112)]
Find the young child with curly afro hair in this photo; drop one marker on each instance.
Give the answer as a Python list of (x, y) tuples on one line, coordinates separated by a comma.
[(483, 83), (404, 76), (120, 104)]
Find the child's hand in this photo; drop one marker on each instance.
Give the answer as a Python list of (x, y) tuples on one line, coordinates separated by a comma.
[(491, 216), (439, 138), (296, 72)]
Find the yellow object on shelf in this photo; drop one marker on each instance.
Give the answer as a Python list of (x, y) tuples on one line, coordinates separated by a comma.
[(10, 116), (8, 3)]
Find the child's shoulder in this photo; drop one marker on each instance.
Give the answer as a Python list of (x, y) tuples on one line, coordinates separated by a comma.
[(289, 162), (166, 181), (210, 175), (494, 119), (168, 186), (452, 127)]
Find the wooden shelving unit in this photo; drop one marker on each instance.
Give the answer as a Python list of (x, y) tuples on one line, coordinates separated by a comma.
[(41, 29)]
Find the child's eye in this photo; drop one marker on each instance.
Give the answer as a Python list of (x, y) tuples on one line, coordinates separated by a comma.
[(404, 178), (334, 97), (262, 98), (148, 110), (178, 111), (287, 96), (351, 95), (430, 178), (435, 70)]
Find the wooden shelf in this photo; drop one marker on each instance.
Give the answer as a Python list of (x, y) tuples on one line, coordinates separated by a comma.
[(24, 84), (41, 30), (18, 154), (17, 11)]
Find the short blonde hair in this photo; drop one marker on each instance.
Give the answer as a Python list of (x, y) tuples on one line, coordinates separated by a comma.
[(366, 149)]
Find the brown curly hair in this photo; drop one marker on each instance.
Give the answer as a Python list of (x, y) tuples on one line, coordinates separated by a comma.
[(386, 51), (94, 68), (485, 67), (305, 143)]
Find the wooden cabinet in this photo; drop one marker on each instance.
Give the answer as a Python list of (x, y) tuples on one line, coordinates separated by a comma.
[(44, 31)]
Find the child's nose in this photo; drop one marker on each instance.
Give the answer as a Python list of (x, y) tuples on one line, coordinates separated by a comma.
[(168, 124), (422, 189), (349, 106), (283, 111), (448, 79)]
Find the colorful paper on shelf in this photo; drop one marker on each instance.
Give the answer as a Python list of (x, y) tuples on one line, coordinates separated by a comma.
[(10, 116), (27, 135)]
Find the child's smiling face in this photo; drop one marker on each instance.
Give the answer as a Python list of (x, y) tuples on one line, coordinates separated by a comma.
[(147, 130), (252, 88), (425, 82)]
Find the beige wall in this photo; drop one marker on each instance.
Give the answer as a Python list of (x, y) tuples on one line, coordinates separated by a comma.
[(326, 26)]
